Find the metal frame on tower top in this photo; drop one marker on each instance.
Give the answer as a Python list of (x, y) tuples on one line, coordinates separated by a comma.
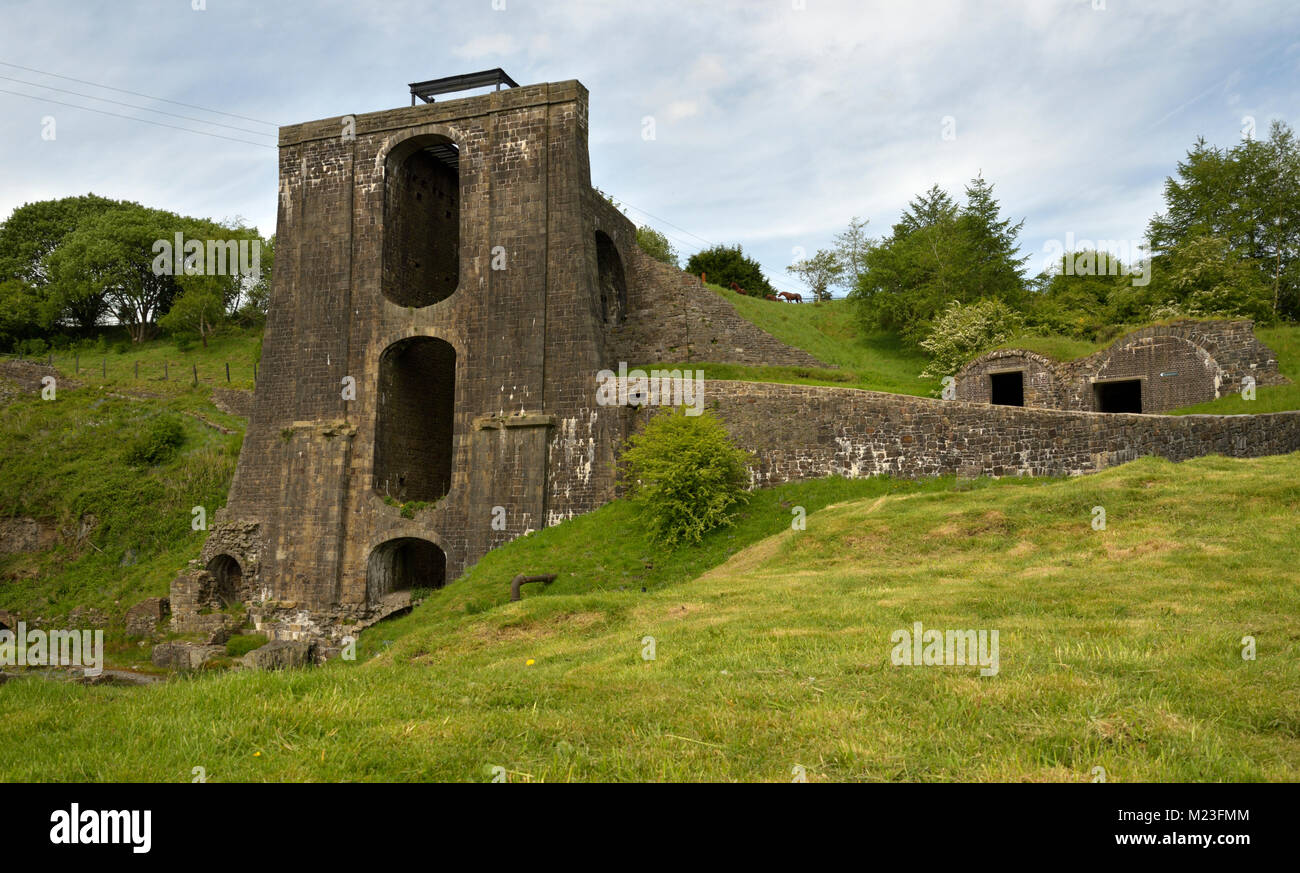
[(426, 91)]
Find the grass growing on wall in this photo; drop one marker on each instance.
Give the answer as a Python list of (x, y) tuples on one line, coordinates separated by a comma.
[(1118, 649)]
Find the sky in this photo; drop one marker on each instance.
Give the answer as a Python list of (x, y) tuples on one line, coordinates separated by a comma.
[(774, 121)]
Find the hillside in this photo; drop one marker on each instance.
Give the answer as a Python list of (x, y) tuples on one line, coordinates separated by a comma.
[(116, 532), (1119, 649)]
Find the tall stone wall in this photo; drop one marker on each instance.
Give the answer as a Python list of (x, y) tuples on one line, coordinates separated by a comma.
[(804, 432)]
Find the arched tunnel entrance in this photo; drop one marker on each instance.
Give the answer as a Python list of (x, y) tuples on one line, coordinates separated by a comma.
[(229, 578), (403, 564)]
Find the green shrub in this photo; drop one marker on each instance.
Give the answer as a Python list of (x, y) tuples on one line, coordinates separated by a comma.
[(964, 330), (687, 473), (157, 443), (723, 265)]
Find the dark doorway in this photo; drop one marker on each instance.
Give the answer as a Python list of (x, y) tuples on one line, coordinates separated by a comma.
[(1122, 396), (613, 284), (422, 221), (229, 577), (413, 427), (1007, 389), (403, 564)]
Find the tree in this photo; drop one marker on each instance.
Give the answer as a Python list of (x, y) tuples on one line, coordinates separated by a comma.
[(964, 330), (939, 252), (656, 245), (687, 473), (27, 238), (109, 258), (1205, 277), (1077, 301), (818, 272), (257, 298), (851, 248), (199, 310), (724, 265), (1249, 197)]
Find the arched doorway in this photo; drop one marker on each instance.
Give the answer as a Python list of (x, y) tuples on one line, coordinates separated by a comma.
[(421, 221), (229, 578), (611, 281), (414, 420), (402, 564)]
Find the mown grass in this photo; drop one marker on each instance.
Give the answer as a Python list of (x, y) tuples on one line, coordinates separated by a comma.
[(1119, 648)]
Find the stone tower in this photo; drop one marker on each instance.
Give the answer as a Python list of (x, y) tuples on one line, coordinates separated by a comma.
[(446, 284)]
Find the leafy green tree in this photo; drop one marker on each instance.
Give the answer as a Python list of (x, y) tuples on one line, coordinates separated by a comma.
[(257, 299), (964, 330), (30, 234), (687, 473), (1077, 302), (726, 264), (656, 245), (940, 252), (110, 258), (819, 272), (198, 311), (1205, 277), (1247, 195), (851, 248)]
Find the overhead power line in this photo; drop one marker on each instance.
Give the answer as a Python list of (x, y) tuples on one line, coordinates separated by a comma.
[(137, 94), (134, 118)]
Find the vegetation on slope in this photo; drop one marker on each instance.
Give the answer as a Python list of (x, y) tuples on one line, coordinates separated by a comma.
[(1119, 649), (68, 462)]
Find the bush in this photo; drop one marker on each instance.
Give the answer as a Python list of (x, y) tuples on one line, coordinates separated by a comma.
[(157, 443), (723, 265), (964, 330), (687, 473), (241, 644), (656, 245)]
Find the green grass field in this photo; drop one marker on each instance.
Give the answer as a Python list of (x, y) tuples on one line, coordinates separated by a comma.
[(1119, 649)]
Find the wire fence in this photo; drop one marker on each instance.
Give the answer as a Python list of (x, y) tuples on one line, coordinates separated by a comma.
[(124, 368)]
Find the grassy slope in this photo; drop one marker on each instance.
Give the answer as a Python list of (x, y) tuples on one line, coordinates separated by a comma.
[(828, 331), (1285, 343), (1119, 648), (64, 459)]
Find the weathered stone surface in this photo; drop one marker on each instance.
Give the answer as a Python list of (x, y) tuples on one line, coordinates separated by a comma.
[(183, 656), (24, 535), (448, 288), (233, 401), (1178, 364), (86, 616), (281, 655), (142, 620)]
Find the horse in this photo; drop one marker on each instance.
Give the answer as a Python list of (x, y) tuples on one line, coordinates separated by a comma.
[(737, 288), (790, 296)]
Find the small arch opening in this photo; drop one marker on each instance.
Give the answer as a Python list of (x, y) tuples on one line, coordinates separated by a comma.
[(422, 221), (404, 564), (611, 281), (229, 578)]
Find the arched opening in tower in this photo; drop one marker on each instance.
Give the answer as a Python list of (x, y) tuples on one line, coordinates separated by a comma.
[(613, 285), (403, 564), (229, 578), (422, 221), (414, 421)]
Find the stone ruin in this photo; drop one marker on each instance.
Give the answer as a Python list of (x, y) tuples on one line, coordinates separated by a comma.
[(447, 287)]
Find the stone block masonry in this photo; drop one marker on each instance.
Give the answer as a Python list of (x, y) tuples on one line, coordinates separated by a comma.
[(807, 432), (447, 288)]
